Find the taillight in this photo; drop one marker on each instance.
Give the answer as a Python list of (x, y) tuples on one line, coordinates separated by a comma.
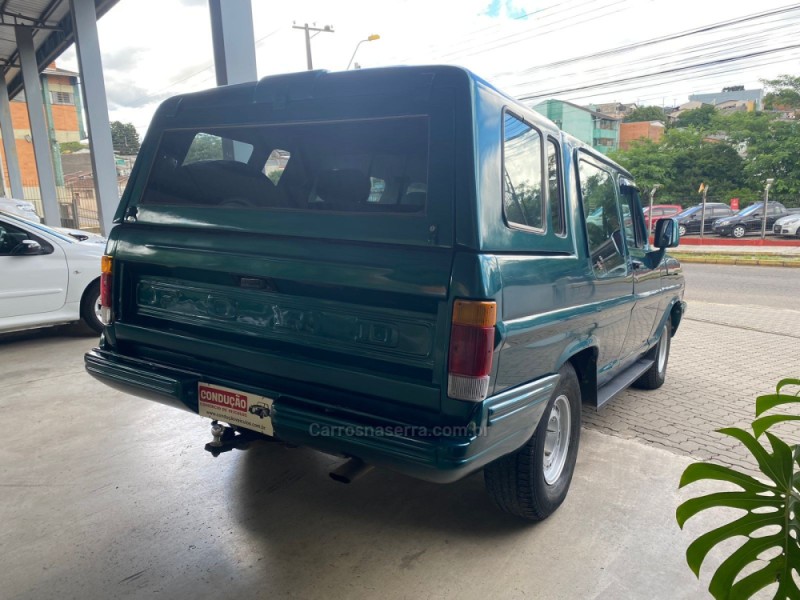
[(106, 280), (471, 349)]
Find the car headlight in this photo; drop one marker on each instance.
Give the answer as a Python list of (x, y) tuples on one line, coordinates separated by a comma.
[(723, 222)]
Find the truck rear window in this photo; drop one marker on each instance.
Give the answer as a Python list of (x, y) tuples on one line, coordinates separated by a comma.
[(373, 165)]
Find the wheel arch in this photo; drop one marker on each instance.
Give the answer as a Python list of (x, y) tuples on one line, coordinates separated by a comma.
[(583, 358), (88, 287)]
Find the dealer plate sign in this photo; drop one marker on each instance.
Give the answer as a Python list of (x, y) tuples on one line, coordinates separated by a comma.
[(234, 407)]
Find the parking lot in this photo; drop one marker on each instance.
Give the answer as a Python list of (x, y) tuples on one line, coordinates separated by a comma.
[(106, 496)]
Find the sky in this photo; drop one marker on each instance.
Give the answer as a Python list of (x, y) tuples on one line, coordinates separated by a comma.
[(153, 49)]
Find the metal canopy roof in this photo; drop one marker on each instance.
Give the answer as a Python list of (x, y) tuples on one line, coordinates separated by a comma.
[(53, 33)]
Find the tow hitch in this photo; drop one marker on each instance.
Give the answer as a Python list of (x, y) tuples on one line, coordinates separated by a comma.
[(227, 438)]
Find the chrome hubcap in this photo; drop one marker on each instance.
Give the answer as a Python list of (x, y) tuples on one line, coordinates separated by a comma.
[(556, 441), (662, 349), (98, 309)]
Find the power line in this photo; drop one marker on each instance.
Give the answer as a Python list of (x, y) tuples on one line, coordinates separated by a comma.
[(650, 75), (665, 38)]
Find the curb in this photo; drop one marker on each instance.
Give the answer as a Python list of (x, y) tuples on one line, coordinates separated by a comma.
[(752, 262)]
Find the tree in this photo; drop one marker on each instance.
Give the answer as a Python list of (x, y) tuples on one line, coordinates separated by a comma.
[(681, 161), (124, 138), (646, 113), (785, 92), (699, 118), (204, 147)]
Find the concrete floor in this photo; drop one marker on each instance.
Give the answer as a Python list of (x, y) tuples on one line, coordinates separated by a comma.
[(107, 496)]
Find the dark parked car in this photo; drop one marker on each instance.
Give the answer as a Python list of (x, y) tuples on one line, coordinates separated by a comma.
[(690, 219), (749, 219)]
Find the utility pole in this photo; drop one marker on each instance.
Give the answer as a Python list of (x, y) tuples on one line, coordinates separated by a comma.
[(650, 212), (308, 29), (704, 189), (765, 208)]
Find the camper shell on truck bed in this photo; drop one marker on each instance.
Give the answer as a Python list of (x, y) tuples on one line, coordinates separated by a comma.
[(401, 265)]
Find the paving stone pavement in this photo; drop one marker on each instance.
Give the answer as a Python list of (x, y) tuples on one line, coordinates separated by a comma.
[(722, 357)]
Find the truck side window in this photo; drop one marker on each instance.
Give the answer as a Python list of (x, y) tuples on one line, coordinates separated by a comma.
[(522, 175), (554, 194), (603, 223), (631, 202)]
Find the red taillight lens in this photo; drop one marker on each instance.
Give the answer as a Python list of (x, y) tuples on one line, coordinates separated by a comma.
[(106, 281), (471, 349)]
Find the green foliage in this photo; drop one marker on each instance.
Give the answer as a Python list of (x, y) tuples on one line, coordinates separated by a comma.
[(698, 118), (773, 503), (204, 147), (785, 92), (69, 147), (124, 138), (646, 113), (681, 161), (734, 154)]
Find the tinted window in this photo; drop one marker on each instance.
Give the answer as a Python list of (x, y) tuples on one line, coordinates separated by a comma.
[(378, 165), (602, 215), (634, 235), (554, 194), (12, 236), (522, 174)]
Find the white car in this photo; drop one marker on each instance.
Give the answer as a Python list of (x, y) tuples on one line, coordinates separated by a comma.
[(21, 208), (48, 277), (788, 226)]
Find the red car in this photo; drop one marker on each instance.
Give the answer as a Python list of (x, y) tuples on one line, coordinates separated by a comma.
[(660, 211)]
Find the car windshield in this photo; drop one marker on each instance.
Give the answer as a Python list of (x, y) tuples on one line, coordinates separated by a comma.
[(40, 227), (689, 211), (749, 210)]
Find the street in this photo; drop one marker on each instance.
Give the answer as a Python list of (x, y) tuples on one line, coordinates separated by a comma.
[(107, 496)]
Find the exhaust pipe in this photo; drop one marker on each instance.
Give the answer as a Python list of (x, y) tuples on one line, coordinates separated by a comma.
[(351, 470)]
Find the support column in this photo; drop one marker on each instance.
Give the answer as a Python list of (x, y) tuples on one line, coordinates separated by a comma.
[(41, 142), (87, 45), (10, 143), (233, 40)]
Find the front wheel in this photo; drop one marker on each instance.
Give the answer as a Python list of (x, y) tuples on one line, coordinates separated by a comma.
[(533, 481), (682, 230), (654, 377), (739, 231), (90, 307)]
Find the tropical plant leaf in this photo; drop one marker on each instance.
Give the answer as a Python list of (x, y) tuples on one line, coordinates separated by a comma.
[(764, 423), (768, 464), (769, 401), (698, 471), (782, 497)]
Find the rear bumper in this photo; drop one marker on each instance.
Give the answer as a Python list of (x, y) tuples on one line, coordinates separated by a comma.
[(438, 453)]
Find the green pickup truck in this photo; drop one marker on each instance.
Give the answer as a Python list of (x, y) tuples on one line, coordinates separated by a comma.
[(400, 266)]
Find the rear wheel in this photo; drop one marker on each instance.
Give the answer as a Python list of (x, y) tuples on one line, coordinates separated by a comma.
[(654, 377), (682, 230), (533, 481), (739, 231), (90, 307)]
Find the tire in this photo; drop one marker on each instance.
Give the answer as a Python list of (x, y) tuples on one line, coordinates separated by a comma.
[(654, 377), (530, 483), (681, 230), (738, 231), (89, 302)]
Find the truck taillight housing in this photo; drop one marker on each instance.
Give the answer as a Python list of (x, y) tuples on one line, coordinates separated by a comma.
[(106, 281), (471, 349)]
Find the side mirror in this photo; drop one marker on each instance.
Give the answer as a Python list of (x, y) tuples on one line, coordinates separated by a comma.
[(26, 248), (666, 235)]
